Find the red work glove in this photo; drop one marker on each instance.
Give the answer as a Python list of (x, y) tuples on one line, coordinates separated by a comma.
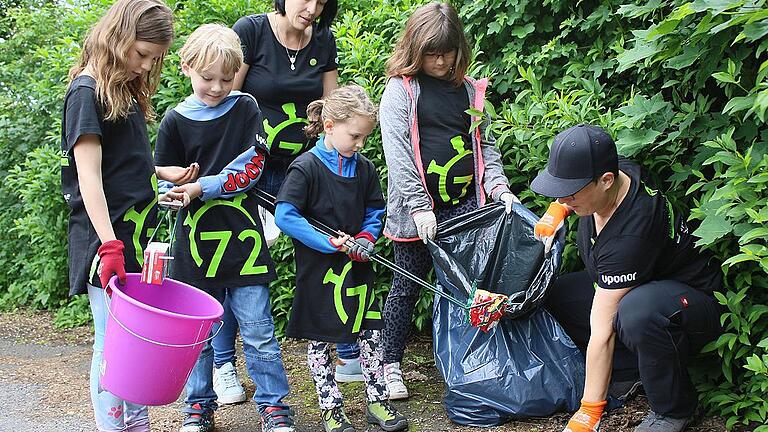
[(111, 261), (363, 248), (546, 228), (587, 418)]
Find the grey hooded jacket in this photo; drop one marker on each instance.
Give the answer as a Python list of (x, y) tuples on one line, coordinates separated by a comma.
[(407, 191)]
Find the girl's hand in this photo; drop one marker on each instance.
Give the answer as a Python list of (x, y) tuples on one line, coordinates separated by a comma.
[(175, 199), (338, 242), (178, 175), (193, 190)]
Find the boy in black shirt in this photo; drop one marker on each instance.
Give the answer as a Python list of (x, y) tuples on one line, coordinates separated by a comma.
[(219, 245), (645, 284)]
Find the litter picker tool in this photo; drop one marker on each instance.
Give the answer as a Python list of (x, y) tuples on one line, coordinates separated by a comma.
[(474, 307)]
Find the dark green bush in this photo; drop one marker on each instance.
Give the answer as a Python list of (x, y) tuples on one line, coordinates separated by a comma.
[(682, 86)]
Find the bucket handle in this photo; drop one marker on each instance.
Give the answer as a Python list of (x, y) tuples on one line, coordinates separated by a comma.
[(163, 344)]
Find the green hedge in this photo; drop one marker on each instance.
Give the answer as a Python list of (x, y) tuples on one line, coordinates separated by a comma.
[(681, 85)]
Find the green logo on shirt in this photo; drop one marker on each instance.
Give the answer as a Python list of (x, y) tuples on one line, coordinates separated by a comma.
[(313, 62), (139, 218), (360, 291), (223, 238), (293, 148), (442, 171)]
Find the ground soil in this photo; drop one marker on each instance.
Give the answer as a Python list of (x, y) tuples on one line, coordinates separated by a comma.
[(44, 383)]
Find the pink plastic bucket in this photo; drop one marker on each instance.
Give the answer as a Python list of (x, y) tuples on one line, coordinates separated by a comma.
[(154, 335)]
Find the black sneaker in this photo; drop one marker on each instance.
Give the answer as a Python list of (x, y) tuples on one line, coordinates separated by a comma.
[(334, 420), (277, 419), (198, 419), (386, 416)]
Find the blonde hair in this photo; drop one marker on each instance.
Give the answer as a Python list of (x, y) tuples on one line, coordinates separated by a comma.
[(340, 105), (212, 43), (106, 50), (434, 27)]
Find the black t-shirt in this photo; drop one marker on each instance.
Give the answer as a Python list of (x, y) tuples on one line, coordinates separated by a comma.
[(444, 139), (283, 94), (644, 240), (218, 243), (128, 178), (334, 298)]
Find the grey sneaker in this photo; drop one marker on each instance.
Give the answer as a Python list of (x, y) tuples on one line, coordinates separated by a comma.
[(658, 423), (227, 385), (349, 370)]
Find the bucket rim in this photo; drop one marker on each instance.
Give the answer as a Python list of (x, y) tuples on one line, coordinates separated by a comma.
[(115, 285)]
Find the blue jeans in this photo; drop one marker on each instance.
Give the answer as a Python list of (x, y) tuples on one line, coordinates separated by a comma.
[(112, 413), (224, 342), (251, 308)]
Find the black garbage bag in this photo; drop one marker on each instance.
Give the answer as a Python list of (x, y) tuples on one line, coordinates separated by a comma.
[(526, 366)]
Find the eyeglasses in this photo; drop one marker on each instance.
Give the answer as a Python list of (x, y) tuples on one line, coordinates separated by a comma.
[(433, 56)]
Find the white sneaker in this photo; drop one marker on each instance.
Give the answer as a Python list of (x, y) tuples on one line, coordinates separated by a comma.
[(394, 379), (227, 385)]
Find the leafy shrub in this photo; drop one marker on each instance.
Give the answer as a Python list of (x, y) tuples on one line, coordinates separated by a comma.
[(41, 230), (682, 86)]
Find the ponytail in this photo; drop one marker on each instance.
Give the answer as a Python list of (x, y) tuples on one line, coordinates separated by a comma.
[(341, 104), (315, 117)]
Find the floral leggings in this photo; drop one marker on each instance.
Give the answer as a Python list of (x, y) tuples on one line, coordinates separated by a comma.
[(371, 361)]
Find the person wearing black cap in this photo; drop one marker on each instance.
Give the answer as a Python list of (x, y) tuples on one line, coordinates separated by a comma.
[(644, 304)]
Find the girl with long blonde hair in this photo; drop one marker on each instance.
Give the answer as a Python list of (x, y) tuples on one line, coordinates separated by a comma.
[(107, 175)]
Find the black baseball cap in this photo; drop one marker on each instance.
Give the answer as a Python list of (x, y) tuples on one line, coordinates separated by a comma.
[(578, 155)]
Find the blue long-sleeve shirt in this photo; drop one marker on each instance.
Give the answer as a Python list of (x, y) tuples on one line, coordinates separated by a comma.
[(291, 222)]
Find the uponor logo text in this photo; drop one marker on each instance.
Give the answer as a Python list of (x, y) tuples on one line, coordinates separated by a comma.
[(610, 280)]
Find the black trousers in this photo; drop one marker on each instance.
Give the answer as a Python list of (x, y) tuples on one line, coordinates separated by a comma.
[(660, 325)]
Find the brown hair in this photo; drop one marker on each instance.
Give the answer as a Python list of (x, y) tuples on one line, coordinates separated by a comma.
[(434, 27), (106, 51), (209, 44), (340, 105)]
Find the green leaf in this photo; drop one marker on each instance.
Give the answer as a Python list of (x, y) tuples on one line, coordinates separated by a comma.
[(724, 77), (753, 234), (681, 12), (641, 51), (712, 228), (739, 258), (755, 30), (522, 31), (739, 103), (630, 142), (689, 55)]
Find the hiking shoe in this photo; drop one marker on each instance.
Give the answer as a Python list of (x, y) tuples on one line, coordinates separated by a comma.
[(277, 419), (349, 370), (386, 416), (198, 419), (393, 376), (227, 385), (658, 423), (334, 420)]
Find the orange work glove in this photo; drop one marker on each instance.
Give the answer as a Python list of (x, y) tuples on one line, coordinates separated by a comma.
[(546, 228), (587, 418)]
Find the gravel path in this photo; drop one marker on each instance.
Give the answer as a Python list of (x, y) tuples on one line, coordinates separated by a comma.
[(44, 383)]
